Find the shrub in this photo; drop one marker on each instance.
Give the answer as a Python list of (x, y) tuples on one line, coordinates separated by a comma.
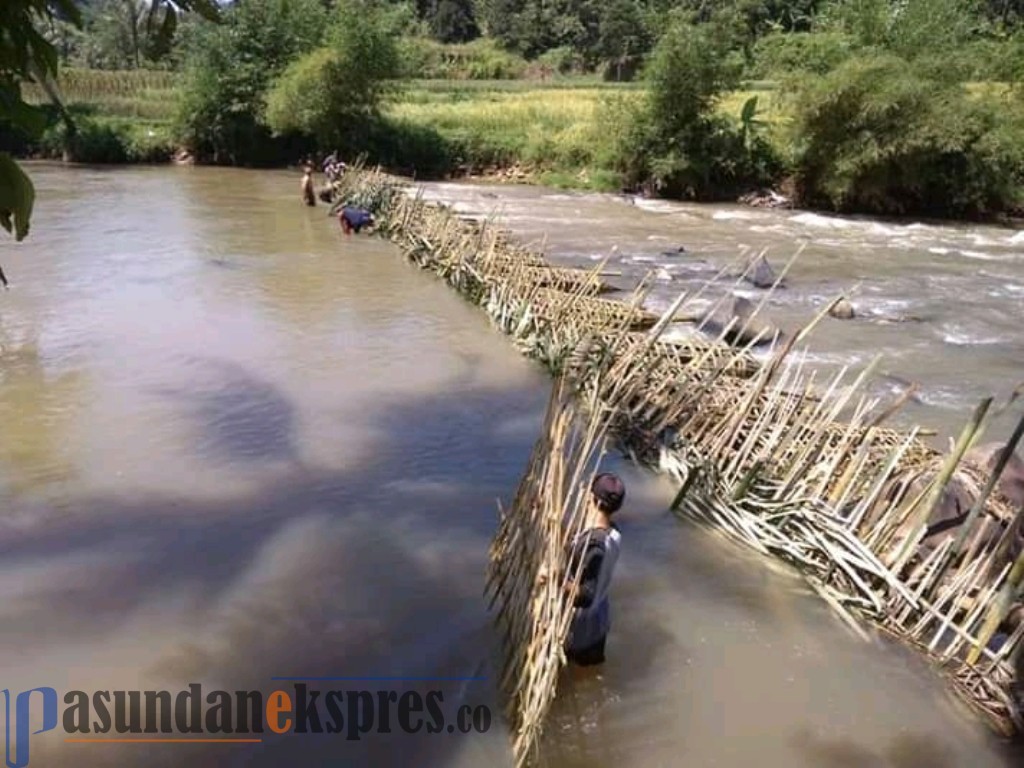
[(785, 53), (876, 136), (479, 60), (410, 148), (229, 68), (563, 60), (676, 141), (100, 140), (332, 94)]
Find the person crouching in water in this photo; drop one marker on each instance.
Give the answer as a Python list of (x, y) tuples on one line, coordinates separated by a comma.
[(597, 549), (308, 193), (352, 219)]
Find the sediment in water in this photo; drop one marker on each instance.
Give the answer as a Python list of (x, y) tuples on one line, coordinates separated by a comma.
[(797, 471)]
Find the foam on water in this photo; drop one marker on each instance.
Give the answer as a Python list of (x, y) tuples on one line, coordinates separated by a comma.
[(960, 336), (818, 220), (656, 206), (735, 216), (985, 256)]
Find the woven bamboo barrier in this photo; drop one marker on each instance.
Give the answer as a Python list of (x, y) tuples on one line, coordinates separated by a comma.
[(528, 557), (797, 470)]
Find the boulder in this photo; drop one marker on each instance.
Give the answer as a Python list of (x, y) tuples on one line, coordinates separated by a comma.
[(842, 310), (759, 273), (744, 328)]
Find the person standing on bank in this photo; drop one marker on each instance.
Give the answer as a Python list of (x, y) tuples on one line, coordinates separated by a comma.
[(597, 548)]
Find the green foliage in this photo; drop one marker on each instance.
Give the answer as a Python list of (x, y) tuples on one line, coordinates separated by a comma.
[(24, 54), (677, 141), (875, 135), (221, 115), (125, 34), (451, 21), (478, 60), (689, 69), (910, 28), (333, 93), (564, 61), (17, 197), (531, 27), (622, 35), (781, 53), (27, 54)]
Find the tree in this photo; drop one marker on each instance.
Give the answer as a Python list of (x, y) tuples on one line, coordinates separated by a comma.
[(228, 70), (333, 93), (27, 55), (878, 135), (123, 34), (450, 21), (677, 140), (622, 34), (532, 27)]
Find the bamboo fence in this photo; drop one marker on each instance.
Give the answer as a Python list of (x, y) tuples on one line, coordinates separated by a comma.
[(797, 469)]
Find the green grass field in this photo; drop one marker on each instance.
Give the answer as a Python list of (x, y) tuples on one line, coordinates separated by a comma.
[(556, 126)]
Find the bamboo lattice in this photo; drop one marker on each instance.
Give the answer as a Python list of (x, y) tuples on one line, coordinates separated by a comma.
[(796, 469)]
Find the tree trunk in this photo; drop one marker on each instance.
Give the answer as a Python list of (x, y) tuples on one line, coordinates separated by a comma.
[(133, 20)]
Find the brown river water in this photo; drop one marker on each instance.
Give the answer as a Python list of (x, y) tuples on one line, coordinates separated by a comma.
[(235, 445)]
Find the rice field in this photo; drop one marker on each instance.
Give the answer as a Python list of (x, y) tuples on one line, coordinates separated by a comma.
[(556, 124), (560, 124), (143, 94)]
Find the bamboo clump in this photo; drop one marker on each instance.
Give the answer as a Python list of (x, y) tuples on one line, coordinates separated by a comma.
[(801, 470)]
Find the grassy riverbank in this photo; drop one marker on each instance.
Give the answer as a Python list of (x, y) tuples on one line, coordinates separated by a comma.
[(555, 129), (567, 132)]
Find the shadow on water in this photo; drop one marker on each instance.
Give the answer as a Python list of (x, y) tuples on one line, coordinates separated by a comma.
[(239, 415), (323, 573), (904, 751)]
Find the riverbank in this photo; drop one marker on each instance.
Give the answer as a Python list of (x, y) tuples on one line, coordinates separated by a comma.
[(561, 133)]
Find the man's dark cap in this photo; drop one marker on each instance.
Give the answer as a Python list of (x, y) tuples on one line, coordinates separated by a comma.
[(609, 491)]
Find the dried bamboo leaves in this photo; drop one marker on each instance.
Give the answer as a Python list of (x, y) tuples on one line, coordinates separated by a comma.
[(759, 451)]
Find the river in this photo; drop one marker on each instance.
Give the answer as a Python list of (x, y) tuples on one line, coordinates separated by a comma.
[(959, 289), (236, 445)]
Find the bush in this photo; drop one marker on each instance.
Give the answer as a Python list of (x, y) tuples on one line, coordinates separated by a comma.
[(332, 94), (410, 148), (479, 60), (563, 60), (676, 141), (105, 140), (229, 68), (780, 54), (876, 136)]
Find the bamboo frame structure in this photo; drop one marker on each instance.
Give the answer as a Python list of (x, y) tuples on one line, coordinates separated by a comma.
[(799, 471)]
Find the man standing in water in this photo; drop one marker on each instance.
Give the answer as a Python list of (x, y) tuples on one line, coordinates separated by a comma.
[(308, 194), (597, 548)]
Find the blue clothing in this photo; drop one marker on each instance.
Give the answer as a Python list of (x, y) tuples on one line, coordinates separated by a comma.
[(357, 218)]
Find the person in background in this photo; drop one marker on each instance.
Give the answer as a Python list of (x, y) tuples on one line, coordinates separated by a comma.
[(353, 218), (596, 551), (308, 193)]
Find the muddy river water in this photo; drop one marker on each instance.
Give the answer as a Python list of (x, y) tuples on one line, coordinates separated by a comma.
[(237, 446)]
